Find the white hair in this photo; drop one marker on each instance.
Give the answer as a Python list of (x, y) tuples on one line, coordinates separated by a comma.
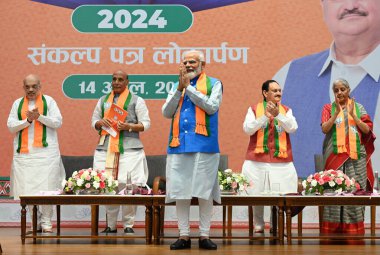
[(341, 81), (200, 54)]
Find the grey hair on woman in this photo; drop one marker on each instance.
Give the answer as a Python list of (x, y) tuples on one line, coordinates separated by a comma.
[(341, 81)]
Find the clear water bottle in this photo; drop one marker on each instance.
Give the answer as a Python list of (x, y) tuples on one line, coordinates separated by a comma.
[(267, 189), (128, 185), (376, 183)]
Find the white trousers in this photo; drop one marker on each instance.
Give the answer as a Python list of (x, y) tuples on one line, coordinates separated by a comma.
[(205, 214), (44, 215), (282, 175), (132, 161)]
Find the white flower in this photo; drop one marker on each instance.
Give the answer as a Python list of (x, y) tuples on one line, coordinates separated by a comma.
[(331, 183), (227, 171), (314, 183), (221, 187), (94, 173), (338, 190), (74, 174), (304, 184), (229, 180), (64, 183), (96, 185), (79, 182)]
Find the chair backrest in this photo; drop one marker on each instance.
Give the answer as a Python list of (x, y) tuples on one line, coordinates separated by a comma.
[(156, 167), (318, 162), (75, 163), (223, 162)]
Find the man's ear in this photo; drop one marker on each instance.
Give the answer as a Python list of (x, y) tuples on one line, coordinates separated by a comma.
[(265, 93)]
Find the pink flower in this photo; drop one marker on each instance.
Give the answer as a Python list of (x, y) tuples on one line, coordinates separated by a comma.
[(357, 185), (88, 177), (326, 178), (88, 185), (321, 182), (234, 185), (317, 176), (347, 182), (338, 181), (102, 185)]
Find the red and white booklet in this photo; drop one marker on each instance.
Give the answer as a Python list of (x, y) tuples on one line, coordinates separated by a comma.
[(115, 114)]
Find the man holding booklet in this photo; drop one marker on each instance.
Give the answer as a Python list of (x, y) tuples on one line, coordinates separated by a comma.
[(119, 117)]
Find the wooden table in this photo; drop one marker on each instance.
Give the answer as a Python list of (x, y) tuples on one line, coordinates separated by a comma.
[(94, 201), (290, 201), (229, 201)]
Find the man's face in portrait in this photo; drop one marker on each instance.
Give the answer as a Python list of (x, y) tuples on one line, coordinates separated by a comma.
[(193, 65), (32, 87), (352, 17), (274, 93), (119, 82)]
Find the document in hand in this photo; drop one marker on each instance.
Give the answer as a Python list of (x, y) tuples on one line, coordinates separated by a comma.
[(115, 114)]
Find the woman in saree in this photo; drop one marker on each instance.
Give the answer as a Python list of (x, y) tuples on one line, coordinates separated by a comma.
[(347, 146)]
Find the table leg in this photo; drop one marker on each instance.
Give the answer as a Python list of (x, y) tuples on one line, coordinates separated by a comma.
[(224, 220), (58, 220), (148, 224), (23, 223), (94, 220), (299, 224), (229, 228), (289, 224), (250, 221), (274, 220), (34, 222), (281, 224), (156, 224), (373, 220)]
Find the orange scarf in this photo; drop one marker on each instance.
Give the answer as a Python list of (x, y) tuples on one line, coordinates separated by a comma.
[(262, 134), (116, 143), (39, 128), (339, 132), (201, 118)]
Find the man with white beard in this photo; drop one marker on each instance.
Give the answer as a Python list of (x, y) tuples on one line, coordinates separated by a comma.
[(193, 151)]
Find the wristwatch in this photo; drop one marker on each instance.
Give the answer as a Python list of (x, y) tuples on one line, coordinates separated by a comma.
[(130, 129)]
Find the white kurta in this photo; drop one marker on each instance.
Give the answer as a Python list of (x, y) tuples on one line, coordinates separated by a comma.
[(41, 169), (283, 174), (132, 160), (193, 174)]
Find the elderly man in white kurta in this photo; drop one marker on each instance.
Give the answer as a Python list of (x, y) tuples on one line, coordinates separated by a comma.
[(128, 156), (37, 164), (269, 124), (193, 151)]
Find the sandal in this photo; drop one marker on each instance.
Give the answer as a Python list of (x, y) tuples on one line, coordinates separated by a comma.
[(47, 230)]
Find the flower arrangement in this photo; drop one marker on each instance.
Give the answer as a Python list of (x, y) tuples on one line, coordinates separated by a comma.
[(335, 180), (90, 179), (228, 180)]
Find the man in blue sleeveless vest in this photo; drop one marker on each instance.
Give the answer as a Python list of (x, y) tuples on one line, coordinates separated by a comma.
[(193, 151), (354, 55), (127, 158)]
